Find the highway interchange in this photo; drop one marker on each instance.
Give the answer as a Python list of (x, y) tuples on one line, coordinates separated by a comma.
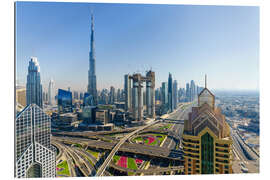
[(82, 163)]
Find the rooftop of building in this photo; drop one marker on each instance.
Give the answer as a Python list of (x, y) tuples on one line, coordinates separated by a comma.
[(69, 114)]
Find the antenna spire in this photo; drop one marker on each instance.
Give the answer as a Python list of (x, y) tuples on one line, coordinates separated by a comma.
[(205, 81)]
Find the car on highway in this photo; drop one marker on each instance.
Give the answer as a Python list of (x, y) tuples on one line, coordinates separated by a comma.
[(244, 169)]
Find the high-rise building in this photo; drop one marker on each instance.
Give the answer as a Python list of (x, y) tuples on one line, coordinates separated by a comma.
[(33, 85), (81, 95), (192, 91), (122, 97), (157, 94), (137, 97), (44, 100), (64, 101), (112, 95), (118, 95), (92, 81), (104, 97), (128, 94), (51, 93), (150, 94), (88, 100), (170, 92), (181, 94), (187, 93), (207, 144), (164, 96), (175, 94), (199, 89), (76, 95), (144, 98), (34, 154)]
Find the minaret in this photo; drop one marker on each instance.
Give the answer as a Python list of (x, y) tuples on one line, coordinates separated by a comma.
[(92, 82)]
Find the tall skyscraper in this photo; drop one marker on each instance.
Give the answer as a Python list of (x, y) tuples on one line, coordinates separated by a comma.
[(150, 94), (92, 81), (64, 101), (33, 84), (164, 96), (76, 95), (192, 90), (187, 93), (51, 93), (170, 92), (34, 154), (112, 95), (128, 93), (207, 143), (175, 94), (157, 95), (118, 95)]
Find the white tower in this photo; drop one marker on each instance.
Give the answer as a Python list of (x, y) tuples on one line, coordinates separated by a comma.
[(51, 93)]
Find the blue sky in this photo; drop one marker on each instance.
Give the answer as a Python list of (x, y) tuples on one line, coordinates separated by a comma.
[(188, 41)]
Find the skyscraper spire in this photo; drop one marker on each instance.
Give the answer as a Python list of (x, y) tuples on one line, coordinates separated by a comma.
[(205, 79), (92, 83)]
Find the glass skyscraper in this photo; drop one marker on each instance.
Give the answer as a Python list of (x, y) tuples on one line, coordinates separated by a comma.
[(51, 92), (34, 154), (92, 80), (170, 92), (33, 85), (175, 94), (64, 101), (164, 96), (128, 94)]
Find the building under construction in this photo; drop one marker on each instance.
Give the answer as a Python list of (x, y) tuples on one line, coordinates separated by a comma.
[(134, 102)]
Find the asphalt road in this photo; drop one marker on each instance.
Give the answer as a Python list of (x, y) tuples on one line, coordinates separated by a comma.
[(117, 146), (179, 114)]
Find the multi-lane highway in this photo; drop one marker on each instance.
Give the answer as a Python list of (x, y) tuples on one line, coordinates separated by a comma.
[(179, 114), (117, 146), (244, 157), (167, 150), (153, 151)]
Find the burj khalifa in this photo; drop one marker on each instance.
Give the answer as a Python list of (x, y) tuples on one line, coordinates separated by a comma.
[(92, 80)]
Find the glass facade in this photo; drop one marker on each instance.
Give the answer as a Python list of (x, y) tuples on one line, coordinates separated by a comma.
[(88, 100), (33, 84), (207, 150), (33, 144), (64, 101)]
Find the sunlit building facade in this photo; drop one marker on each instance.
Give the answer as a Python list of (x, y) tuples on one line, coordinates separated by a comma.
[(170, 92), (34, 154), (206, 139), (51, 93), (33, 84), (64, 100)]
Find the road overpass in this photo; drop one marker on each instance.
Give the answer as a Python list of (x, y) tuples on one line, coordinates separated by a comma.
[(117, 146), (153, 151), (147, 171)]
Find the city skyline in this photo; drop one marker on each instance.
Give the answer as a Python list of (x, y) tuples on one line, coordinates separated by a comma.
[(118, 48)]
